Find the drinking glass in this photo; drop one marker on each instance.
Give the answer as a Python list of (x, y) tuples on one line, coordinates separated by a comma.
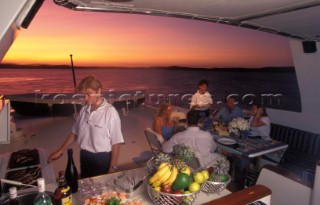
[(86, 188)]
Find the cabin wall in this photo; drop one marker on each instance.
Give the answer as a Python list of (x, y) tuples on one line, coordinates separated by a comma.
[(4, 121), (307, 66)]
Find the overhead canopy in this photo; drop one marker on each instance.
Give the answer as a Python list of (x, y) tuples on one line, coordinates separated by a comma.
[(293, 18)]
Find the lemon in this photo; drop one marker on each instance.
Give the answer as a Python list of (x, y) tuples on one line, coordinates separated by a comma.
[(194, 186)]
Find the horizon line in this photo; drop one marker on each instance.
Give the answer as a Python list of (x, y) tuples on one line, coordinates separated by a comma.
[(65, 66)]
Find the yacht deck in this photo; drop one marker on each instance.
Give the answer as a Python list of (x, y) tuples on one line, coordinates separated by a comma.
[(50, 132)]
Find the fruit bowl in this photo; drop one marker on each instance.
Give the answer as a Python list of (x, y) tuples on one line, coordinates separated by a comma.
[(161, 198), (215, 187), (151, 166)]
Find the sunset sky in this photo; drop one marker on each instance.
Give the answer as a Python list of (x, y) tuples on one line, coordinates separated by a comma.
[(107, 39)]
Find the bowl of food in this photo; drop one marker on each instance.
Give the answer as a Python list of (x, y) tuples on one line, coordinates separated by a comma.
[(218, 177), (169, 185), (171, 180), (176, 197)]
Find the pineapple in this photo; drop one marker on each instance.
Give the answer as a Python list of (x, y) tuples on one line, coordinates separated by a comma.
[(161, 157), (181, 156), (178, 163), (220, 171), (154, 163)]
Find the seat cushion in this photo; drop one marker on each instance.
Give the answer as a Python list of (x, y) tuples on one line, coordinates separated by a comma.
[(303, 151)]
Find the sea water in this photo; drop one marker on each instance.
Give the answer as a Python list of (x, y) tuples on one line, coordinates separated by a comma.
[(273, 89)]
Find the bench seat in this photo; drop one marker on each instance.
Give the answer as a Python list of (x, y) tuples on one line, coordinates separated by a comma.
[(303, 150)]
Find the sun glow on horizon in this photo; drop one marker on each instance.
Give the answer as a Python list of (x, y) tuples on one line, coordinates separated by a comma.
[(106, 39)]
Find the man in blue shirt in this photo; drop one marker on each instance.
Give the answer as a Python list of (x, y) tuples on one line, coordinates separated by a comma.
[(229, 111)]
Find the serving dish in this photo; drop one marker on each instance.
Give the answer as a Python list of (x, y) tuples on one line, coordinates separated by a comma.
[(24, 158), (226, 141), (26, 176)]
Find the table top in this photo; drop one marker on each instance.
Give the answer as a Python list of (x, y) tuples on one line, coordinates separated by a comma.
[(251, 147), (139, 194)]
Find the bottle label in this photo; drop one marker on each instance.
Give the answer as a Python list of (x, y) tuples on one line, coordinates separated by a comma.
[(66, 200), (65, 189)]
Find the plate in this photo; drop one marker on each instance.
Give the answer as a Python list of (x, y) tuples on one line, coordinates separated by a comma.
[(227, 141), (253, 134)]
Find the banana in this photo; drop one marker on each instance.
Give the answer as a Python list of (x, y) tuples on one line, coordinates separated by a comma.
[(159, 173), (165, 176), (156, 184), (172, 177), (163, 170), (162, 165), (153, 179)]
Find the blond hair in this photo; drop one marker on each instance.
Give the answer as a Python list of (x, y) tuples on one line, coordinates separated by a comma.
[(89, 82), (163, 109)]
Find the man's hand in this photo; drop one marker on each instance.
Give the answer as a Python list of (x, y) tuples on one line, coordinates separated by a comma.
[(54, 156)]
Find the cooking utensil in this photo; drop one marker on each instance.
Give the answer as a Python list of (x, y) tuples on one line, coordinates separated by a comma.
[(138, 184), (15, 183), (36, 172)]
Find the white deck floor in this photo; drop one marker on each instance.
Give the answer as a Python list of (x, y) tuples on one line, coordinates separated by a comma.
[(50, 132)]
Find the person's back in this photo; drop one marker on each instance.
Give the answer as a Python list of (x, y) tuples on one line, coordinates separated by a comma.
[(200, 141)]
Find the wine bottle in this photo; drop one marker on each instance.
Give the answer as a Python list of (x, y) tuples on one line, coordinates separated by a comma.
[(13, 196), (42, 198), (71, 174), (62, 194)]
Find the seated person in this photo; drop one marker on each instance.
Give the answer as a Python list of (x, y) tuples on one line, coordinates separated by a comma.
[(200, 141), (162, 123), (259, 122), (202, 100), (229, 111)]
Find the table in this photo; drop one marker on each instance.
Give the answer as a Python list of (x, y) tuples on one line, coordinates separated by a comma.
[(141, 193), (254, 147), (251, 147)]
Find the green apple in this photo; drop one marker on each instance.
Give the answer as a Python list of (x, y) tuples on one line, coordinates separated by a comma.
[(194, 186), (205, 174), (198, 177), (185, 170)]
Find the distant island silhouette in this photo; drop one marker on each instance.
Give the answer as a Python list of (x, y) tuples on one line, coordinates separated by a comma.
[(263, 69)]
